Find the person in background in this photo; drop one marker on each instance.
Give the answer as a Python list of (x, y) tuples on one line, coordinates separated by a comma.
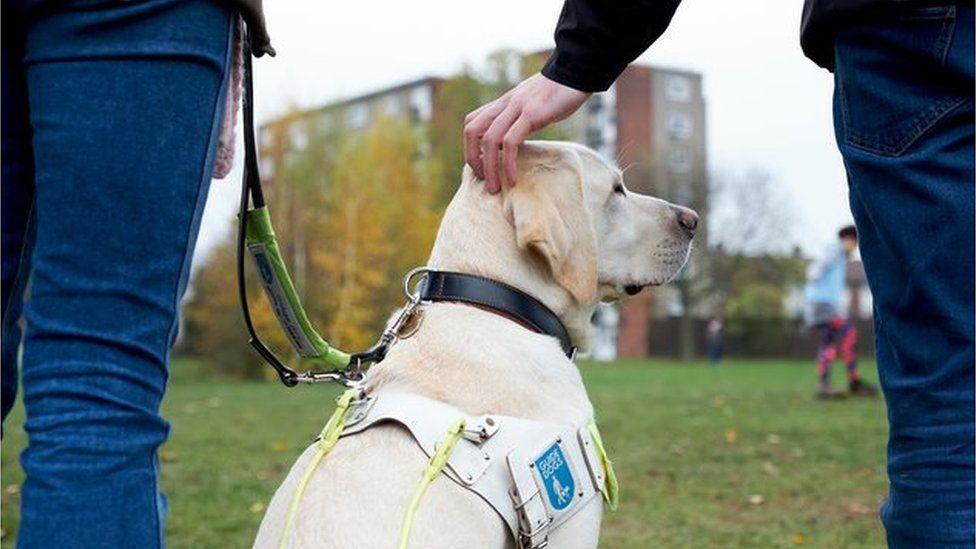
[(715, 344), (838, 336), (904, 122)]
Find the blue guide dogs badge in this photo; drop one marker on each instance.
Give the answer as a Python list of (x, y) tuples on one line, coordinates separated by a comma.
[(556, 476)]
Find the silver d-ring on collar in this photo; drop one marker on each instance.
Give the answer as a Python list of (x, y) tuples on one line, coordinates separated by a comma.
[(414, 295)]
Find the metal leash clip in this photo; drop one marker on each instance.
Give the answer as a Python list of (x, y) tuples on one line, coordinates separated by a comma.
[(360, 362)]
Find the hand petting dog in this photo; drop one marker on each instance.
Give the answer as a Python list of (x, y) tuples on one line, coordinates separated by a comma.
[(503, 124)]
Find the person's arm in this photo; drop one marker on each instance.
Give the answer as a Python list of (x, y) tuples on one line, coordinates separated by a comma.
[(595, 40)]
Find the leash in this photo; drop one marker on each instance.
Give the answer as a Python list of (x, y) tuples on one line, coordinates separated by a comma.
[(256, 236)]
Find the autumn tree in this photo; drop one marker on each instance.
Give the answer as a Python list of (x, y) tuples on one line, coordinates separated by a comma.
[(353, 211)]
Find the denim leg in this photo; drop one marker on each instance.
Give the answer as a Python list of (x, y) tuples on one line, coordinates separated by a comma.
[(904, 113), (126, 101), (16, 197)]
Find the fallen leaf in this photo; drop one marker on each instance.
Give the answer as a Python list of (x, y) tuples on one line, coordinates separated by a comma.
[(168, 456), (279, 446), (214, 402), (12, 489), (731, 435), (257, 507), (756, 499), (770, 468), (854, 508), (798, 539), (772, 439)]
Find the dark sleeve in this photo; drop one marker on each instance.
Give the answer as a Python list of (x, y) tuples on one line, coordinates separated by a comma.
[(596, 39)]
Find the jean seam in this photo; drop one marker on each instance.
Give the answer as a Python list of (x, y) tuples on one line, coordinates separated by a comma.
[(931, 117), (925, 120), (951, 17), (215, 129)]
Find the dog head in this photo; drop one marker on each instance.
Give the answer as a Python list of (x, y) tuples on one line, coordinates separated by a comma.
[(568, 232), (599, 240)]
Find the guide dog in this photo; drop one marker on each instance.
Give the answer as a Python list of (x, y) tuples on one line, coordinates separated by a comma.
[(568, 233)]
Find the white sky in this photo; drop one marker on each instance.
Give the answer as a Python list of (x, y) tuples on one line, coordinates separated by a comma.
[(767, 105)]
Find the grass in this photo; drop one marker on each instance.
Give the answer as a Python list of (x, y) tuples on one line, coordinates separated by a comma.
[(734, 456)]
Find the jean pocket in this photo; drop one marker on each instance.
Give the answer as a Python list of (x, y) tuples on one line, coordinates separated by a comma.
[(891, 80)]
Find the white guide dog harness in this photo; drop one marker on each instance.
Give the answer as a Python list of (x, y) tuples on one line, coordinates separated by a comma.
[(535, 475)]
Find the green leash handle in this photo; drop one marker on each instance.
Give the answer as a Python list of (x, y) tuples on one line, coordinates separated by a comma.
[(256, 235), (278, 287)]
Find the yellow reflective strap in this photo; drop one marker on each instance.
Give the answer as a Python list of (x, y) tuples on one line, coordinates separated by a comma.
[(611, 489), (327, 439), (434, 467)]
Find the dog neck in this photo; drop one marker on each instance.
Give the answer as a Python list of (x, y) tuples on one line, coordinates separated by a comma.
[(477, 237), (482, 362)]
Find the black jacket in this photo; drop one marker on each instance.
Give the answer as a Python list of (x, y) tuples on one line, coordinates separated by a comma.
[(596, 39)]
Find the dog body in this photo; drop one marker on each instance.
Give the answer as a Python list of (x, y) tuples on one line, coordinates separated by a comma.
[(570, 235)]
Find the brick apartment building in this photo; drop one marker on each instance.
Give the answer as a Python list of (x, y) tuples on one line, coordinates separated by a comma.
[(652, 120)]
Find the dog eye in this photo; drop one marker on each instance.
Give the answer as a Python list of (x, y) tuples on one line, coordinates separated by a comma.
[(619, 189)]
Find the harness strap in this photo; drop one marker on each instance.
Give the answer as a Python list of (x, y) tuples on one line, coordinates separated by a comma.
[(327, 440), (605, 473), (434, 468), (558, 466), (534, 520)]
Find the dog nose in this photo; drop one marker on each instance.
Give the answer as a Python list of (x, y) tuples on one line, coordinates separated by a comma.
[(687, 218)]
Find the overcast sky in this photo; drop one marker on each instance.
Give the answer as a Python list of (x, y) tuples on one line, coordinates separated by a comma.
[(767, 105)]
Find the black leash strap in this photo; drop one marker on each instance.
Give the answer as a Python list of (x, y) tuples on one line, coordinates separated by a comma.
[(252, 195), (498, 297)]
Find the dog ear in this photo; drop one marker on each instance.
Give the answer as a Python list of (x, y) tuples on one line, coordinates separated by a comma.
[(550, 219)]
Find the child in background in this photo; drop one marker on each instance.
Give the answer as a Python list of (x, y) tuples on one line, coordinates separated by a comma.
[(824, 294)]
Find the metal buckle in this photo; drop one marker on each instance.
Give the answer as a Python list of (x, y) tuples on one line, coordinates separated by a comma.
[(481, 431)]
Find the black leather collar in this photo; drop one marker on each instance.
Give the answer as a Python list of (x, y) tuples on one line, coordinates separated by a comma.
[(498, 297)]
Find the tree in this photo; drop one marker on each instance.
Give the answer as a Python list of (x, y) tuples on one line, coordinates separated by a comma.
[(753, 263), (353, 212), (749, 213), (381, 219)]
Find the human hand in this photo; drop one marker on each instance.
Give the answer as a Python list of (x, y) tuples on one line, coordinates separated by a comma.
[(504, 124)]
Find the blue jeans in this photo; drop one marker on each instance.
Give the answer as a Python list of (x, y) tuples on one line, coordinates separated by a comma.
[(111, 113), (903, 108)]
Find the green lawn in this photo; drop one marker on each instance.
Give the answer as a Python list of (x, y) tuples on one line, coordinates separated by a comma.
[(734, 456)]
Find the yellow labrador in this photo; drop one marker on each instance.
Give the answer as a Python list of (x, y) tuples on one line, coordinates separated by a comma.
[(569, 234)]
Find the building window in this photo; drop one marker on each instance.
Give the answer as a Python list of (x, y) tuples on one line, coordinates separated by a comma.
[(677, 88), (680, 126), (267, 139), (680, 160), (357, 115), (682, 193), (298, 137), (326, 122), (601, 124), (391, 106), (267, 167), (420, 103)]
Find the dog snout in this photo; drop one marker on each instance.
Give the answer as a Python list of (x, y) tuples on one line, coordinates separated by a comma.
[(687, 219)]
